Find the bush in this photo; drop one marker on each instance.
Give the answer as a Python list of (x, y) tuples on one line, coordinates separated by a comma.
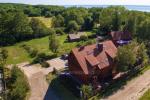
[(84, 38), (43, 57), (32, 52), (89, 42), (60, 31), (40, 58), (55, 71), (44, 64), (94, 30)]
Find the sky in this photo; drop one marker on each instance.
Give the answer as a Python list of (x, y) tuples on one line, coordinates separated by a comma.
[(80, 2)]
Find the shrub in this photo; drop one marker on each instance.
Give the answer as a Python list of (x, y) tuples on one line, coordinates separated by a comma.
[(60, 31), (55, 71), (89, 42), (27, 48), (33, 53), (43, 57), (44, 64), (84, 38), (94, 30)]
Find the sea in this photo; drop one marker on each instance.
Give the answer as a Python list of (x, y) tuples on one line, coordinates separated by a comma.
[(129, 7)]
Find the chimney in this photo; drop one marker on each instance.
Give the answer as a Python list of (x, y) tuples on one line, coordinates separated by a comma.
[(99, 46), (81, 48)]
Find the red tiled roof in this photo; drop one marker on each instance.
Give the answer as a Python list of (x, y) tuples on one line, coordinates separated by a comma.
[(92, 60), (95, 56), (119, 35)]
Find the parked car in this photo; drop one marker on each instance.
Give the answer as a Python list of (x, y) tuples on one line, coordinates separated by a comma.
[(64, 56), (70, 83)]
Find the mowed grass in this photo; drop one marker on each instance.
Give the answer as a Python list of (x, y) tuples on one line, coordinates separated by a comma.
[(16, 54), (146, 96), (46, 21)]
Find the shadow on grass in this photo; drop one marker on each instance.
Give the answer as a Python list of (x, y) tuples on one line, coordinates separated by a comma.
[(57, 91)]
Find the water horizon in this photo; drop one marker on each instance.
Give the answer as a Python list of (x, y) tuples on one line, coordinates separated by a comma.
[(143, 8)]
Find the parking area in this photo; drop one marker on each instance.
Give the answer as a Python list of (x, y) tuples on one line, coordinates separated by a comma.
[(36, 77)]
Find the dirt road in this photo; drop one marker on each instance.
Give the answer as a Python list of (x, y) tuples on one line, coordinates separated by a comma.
[(134, 89)]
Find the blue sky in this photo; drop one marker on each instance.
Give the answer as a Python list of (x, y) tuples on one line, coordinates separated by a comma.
[(80, 2)]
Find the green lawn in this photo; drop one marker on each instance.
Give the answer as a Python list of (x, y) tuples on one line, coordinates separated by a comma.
[(146, 96), (16, 54)]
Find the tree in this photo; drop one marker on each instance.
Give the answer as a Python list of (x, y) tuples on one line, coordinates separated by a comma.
[(19, 86), (126, 57), (86, 91), (88, 23), (20, 26), (39, 28), (142, 54), (144, 29), (58, 21), (14, 27), (116, 21), (131, 24), (105, 21), (53, 41), (72, 26), (3, 56)]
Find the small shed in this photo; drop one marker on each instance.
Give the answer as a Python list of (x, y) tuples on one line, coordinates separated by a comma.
[(76, 36)]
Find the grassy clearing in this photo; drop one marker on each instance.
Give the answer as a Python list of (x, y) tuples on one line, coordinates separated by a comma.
[(46, 21), (146, 96), (16, 54)]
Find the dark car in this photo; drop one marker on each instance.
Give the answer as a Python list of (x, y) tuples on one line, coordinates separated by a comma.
[(71, 83), (64, 56)]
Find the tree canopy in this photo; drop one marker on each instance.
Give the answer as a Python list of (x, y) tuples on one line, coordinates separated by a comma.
[(129, 55), (53, 41)]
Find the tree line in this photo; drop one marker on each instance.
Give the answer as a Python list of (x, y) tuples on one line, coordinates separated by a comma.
[(16, 26), (32, 10)]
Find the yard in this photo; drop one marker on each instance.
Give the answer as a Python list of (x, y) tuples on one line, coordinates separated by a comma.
[(16, 54)]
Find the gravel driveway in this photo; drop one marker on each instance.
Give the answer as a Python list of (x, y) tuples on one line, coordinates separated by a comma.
[(37, 80), (134, 89)]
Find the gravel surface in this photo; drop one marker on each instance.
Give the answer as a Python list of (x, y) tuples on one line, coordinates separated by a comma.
[(134, 88), (40, 89)]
